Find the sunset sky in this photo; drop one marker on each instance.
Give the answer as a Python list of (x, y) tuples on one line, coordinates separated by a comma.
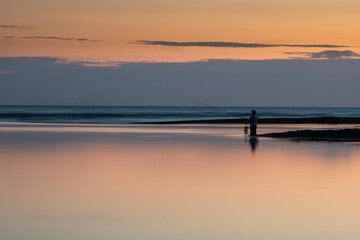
[(102, 35), (112, 30)]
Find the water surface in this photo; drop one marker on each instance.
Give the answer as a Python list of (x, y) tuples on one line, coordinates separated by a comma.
[(174, 182), (138, 114)]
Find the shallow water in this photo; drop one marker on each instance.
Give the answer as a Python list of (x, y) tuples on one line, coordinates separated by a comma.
[(174, 182)]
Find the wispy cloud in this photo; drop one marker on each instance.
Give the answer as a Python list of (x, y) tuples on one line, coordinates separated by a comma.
[(88, 217), (5, 72), (232, 44), (328, 54), (90, 63), (14, 26), (55, 38)]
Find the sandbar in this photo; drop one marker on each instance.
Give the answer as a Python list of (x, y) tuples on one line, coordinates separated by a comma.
[(352, 134)]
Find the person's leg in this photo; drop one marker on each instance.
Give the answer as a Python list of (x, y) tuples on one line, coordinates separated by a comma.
[(253, 130)]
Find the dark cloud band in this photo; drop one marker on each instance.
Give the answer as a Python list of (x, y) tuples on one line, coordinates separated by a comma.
[(14, 26), (329, 54), (55, 38), (231, 44)]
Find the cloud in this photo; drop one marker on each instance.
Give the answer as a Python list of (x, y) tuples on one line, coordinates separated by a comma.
[(328, 54), (89, 217), (43, 81), (5, 72), (332, 54), (55, 38), (91, 63), (231, 44), (14, 26)]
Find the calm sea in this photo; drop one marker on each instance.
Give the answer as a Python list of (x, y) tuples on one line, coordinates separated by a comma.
[(113, 115)]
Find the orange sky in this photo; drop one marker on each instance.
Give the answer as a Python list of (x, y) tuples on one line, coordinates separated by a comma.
[(120, 23)]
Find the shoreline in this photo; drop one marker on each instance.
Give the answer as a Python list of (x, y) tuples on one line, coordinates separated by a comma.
[(317, 120), (310, 131)]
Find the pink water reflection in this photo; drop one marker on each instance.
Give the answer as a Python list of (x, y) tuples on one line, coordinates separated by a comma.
[(176, 187)]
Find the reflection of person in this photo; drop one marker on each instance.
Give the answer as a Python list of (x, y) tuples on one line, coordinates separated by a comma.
[(253, 123), (253, 143)]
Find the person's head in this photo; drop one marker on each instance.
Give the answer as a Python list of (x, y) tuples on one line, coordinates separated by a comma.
[(253, 112)]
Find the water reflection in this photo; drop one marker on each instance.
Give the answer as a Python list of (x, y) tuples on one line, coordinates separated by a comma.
[(253, 141), (184, 188)]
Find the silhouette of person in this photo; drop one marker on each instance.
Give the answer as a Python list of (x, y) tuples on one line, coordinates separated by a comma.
[(253, 123)]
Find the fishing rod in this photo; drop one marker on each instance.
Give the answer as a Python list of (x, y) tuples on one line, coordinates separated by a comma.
[(246, 128), (206, 104)]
